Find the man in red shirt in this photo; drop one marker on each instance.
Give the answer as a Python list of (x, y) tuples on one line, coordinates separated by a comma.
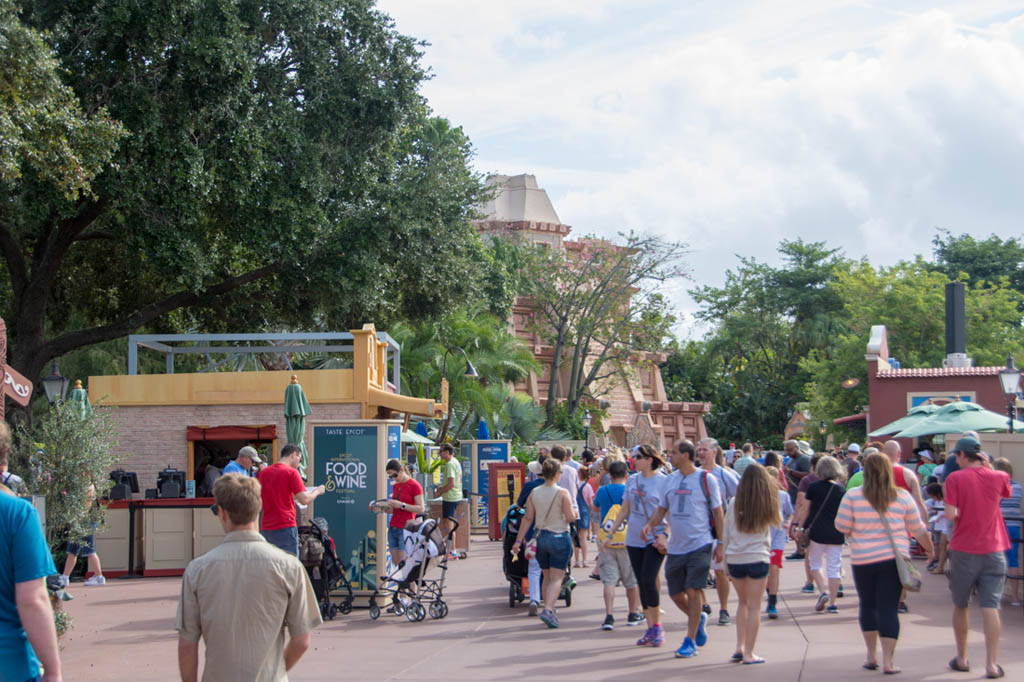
[(282, 487), (977, 549)]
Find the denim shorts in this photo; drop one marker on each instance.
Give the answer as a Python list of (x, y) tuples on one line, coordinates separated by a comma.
[(396, 538), (754, 571), (284, 538), (85, 548), (553, 550)]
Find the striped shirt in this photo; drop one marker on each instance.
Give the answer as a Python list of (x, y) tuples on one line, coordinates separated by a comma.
[(869, 543)]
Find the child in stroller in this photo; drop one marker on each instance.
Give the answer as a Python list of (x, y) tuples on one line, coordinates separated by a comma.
[(516, 566), (318, 554), (407, 585)]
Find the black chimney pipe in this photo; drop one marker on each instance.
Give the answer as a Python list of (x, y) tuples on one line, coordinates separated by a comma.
[(956, 319)]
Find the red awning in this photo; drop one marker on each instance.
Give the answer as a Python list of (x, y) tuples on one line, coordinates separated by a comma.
[(249, 433), (852, 418)]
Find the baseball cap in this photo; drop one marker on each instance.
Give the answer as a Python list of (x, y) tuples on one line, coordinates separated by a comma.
[(967, 445), (853, 447), (250, 452)]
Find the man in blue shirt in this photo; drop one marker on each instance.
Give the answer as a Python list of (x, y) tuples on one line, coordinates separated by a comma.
[(27, 633), (242, 464)]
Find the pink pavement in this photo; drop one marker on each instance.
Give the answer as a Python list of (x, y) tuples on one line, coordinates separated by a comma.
[(125, 632)]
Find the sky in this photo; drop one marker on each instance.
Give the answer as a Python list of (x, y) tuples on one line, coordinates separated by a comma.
[(733, 125)]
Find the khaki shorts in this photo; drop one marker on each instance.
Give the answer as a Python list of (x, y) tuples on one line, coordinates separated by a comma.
[(614, 566)]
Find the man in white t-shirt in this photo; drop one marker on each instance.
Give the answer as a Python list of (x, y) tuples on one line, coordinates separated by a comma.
[(708, 451)]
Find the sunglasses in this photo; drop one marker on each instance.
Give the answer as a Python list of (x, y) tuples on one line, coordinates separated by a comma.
[(392, 474)]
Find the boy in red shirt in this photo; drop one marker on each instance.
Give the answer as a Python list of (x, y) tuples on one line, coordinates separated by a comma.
[(282, 487), (977, 549)]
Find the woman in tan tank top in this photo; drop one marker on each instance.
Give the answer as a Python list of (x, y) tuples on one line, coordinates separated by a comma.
[(550, 508)]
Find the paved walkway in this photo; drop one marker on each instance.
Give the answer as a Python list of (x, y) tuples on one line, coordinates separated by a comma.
[(124, 631)]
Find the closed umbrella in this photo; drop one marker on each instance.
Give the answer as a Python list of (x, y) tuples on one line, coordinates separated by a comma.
[(957, 417), (482, 432), (915, 415), (421, 429), (296, 409), (78, 399)]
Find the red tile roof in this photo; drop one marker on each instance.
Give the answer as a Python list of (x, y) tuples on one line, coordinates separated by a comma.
[(935, 372)]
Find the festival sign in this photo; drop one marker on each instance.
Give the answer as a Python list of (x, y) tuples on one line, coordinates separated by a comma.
[(348, 463), (484, 453)]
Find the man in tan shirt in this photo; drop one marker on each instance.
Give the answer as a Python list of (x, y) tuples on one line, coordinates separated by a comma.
[(241, 596)]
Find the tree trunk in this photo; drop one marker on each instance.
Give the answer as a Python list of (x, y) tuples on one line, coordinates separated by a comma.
[(556, 366)]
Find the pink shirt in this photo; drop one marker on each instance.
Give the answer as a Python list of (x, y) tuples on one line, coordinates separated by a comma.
[(869, 542), (975, 492)]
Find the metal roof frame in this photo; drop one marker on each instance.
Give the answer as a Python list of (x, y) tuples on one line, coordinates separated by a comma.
[(282, 344)]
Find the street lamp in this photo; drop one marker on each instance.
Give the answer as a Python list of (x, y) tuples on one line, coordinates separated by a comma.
[(470, 369), (821, 431), (55, 385), (1009, 377), (586, 428)]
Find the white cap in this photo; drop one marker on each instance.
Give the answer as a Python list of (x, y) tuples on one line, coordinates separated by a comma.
[(853, 447), (250, 452)]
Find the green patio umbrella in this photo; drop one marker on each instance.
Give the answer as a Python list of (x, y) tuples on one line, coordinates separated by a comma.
[(296, 409), (916, 414), (78, 400), (413, 437), (957, 417)]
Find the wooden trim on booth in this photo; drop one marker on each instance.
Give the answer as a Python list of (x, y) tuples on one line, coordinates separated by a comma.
[(162, 572), (190, 462)]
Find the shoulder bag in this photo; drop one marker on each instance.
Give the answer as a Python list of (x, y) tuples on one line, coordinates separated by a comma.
[(909, 575), (805, 535)]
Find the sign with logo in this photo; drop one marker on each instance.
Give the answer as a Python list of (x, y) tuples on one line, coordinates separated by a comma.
[(486, 453), (347, 463)]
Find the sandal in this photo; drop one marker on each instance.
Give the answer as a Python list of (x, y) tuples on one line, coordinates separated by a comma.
[(955, 665), (999, 673), (870, 666)]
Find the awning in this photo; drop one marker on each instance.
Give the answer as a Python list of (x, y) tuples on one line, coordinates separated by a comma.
[(851, 418), (249, 433)]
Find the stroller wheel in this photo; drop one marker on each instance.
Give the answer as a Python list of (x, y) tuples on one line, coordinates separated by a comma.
[(332, 611), (438, 610), (421, 612), (345, 607), (567, 595), (412, 611), (374, 612), (397, 607), (513, 597)]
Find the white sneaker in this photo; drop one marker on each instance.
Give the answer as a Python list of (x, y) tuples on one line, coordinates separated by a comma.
[(64, 580), (95, 581)]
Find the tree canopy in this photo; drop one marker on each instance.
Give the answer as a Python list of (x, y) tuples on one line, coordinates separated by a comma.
[(279, 169)]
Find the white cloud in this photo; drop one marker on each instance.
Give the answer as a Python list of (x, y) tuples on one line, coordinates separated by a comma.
[(735, 125)]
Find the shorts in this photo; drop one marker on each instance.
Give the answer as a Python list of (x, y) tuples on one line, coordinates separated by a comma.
[(84, 548), (754, 571), (396, 538), (286, 539), (449, 509), (833, 559), (613, 565), (688, 571), (553, 550), (987, 572), (776, 559)]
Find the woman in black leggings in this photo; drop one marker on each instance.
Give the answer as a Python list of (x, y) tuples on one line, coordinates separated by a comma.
[(875, 574), (643, 495)]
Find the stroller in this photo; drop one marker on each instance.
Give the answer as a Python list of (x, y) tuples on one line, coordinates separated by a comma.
[(407, 585), (318, 554), (516, 567)]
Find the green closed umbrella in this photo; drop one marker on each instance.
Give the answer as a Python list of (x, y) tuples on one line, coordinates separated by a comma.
[(78, 399), (957, 417), (915, 415), (296, 409)]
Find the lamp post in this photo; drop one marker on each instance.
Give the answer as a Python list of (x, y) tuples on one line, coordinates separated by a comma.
[(470, 372), (1009, 377), (55, 385), (821, 432), (586, 428)]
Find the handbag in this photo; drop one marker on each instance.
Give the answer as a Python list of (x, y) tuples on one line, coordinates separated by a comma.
[(910, 576), (530, 550), (805, 535)]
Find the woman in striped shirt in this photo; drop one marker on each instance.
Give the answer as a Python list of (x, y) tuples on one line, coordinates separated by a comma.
[(874, 564)]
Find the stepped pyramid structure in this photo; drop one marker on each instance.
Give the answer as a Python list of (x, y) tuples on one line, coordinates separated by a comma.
[(638, 409)]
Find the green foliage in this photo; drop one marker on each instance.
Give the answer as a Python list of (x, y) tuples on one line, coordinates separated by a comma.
[(982, 260), (281, 171), (43, 129), (67, 459)]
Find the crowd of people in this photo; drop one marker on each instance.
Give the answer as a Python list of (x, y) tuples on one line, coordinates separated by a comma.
[(705, 519)]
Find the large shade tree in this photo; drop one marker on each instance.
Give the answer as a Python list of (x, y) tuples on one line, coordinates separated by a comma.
[(280, 169)]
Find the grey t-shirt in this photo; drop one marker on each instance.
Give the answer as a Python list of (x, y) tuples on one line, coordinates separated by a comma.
[(728, 481), (645, 496), (688, 513)]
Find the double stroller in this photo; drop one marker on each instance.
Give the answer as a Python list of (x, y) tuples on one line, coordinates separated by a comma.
[(319, 555), (516, 567), (409, 586)]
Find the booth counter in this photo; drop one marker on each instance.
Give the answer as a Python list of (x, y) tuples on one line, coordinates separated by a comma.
[(156, 537)]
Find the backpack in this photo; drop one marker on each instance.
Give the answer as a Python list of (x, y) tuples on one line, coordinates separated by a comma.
[(707, 499), (616, 536)]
